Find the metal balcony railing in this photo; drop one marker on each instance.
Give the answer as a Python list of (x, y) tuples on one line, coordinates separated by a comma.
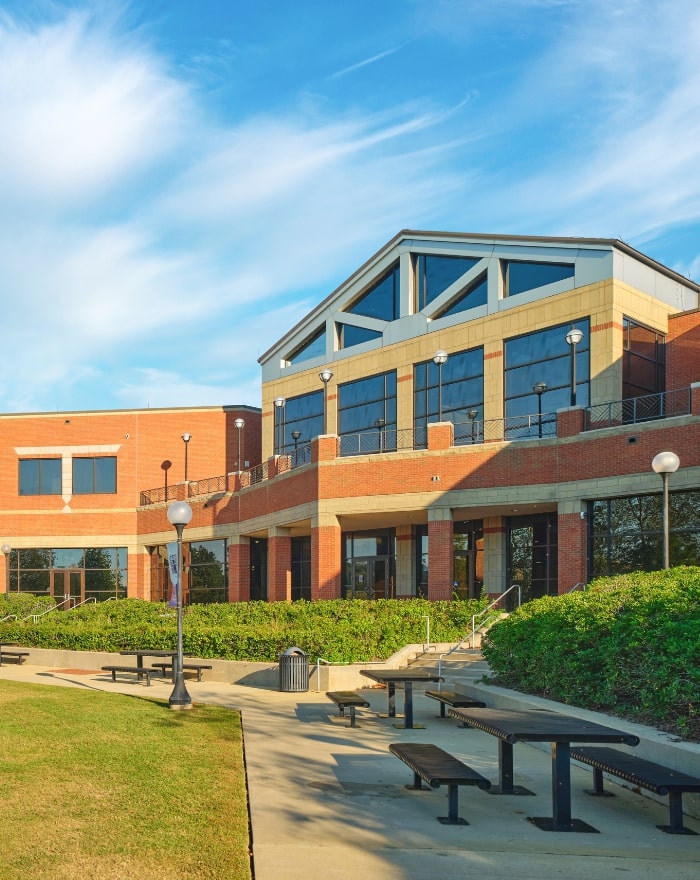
[(664, 405)]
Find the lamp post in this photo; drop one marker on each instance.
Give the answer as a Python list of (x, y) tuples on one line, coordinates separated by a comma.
[(166, 465), (240, 424), (186, 440), (539, 390), (295, 437), (573, 337), (379, 425), (179, 515), (325, 376), (665, 464), (471, 415), (6, 549), (440, 358), (279, 419)]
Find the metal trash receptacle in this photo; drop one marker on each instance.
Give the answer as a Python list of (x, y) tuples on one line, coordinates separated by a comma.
[(294, 671)]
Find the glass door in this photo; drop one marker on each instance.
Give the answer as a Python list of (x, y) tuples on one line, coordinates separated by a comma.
[(68, 586)]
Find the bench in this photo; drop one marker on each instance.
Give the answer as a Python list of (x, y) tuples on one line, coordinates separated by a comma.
[(645, 774), (137, 670), (186, 667), (347, 700), (437, 768), (9, 654), (454, 699)]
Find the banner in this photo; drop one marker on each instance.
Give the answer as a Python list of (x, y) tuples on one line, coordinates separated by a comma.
[(172, 567)]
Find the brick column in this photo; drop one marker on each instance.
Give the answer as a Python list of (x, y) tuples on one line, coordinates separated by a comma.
[(325, 558), (324, 448), (279, 565), (569, 421), (440, 435), (572, 549), (239, 570), (695, 398), (440, 555)]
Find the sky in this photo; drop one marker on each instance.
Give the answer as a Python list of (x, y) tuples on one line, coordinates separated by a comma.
[(181, 181)]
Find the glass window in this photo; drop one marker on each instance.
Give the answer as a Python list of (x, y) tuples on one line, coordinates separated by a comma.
[(381, 301), (462, 389), (626, 534), (208, 572), (434, 274), (303, 414), (475, 295), (644, 360), (98, 572), (40, 476), (367, 407), (301, 568), (313, 347), (519, 276), (349, 335), (543, 357), (92, 476)]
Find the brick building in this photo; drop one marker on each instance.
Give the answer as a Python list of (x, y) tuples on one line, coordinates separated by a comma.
[(465, 412)]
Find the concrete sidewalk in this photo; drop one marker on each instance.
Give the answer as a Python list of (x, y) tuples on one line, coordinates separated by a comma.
[(328, 801)]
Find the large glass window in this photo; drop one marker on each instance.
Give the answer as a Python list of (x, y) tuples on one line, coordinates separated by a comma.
[(468, 546), (381, 300), (532, 555), (81, 573), (434, 274), (314, 346), (644, 360), (626, 534), (40, 476), (303, 414), (92, 476), (367, 414), (301, 568), (475, 295), (350, 334), (543, 357), (208, 572), (462, 390), (520, 276)]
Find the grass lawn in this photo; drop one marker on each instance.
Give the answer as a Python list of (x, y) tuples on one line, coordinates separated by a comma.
[(100, 786)]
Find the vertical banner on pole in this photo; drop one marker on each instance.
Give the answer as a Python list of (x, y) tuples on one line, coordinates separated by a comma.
[(172, 567)]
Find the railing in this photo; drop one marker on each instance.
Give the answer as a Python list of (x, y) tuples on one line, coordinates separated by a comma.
[(581, 585), (384, 440), (664, 405), (479, 621), (69, 603), (511, 428)]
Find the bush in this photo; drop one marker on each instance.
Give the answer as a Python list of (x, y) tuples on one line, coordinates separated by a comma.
[(340, 631), (628, 646)]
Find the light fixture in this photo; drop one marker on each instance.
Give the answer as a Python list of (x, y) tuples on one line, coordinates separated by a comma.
[(573, 337), (186, 440), (240, 424), (471, 415), (179, 515), (325, 376), (279, 403), (6, 549), (539, 388), (665, 464), (440, 358), (379, 425)]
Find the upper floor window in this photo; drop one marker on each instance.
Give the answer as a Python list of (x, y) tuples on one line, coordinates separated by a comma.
[(475, 295), (519, 275), (434, 274), (298, 421), (451, 392), (644, 360), (314, 346), (349, 335), (381, 301), (40, 476), (93, 476), (367, 414)]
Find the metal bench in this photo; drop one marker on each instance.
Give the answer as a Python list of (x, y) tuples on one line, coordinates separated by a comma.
[(9, 654), (455, 700), (347, 700), (186, 667), (437, 767), (645, 774), (140, 671)]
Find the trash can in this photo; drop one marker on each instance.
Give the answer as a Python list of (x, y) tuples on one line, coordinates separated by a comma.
[(294, 671)]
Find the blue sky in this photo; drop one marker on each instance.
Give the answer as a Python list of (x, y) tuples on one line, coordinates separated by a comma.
[(182, 180)]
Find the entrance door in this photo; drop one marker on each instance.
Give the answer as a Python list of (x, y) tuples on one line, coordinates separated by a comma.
[(532, 555), (68, 586), (371, 578)]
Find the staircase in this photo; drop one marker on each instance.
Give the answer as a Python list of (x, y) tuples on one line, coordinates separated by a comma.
[(461, 666)]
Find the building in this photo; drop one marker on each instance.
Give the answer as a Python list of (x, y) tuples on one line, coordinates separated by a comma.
[(464, 413)]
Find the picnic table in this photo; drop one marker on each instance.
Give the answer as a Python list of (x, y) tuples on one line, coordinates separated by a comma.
[(140, 654), (539, 725), (407, 677)]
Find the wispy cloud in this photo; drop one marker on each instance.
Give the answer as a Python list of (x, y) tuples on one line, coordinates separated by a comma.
[(380, 56)]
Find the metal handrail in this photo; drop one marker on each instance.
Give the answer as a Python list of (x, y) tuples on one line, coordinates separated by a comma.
[(581, 584), (472, 634), (647, 408)]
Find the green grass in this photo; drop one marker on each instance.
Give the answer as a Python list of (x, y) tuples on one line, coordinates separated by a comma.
[(111, 787)]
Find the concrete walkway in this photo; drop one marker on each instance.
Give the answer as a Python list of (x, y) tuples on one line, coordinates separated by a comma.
[(328, 802)]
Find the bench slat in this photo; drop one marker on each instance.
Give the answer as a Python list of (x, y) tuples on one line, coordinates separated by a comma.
[(349, 700), (454, 699), (140, 671)]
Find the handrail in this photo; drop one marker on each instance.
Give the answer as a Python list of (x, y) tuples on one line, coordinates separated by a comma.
[(67, 601), (581, 584), (320, 660), (472, 634)]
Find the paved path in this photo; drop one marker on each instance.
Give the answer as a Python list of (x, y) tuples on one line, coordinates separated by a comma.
[(329, 802)]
